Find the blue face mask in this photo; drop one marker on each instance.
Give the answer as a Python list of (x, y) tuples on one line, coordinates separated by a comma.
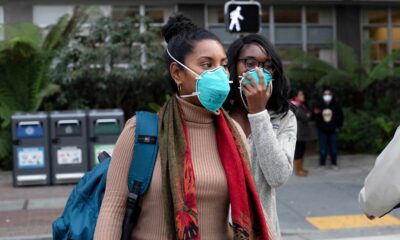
[(267, 76), (212, 87), (267, 79)]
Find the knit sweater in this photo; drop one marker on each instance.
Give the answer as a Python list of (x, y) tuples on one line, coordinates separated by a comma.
[(272, 142), (211, 185)]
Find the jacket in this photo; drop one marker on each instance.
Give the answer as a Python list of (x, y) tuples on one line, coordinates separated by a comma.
[(330, 116), (303, 117), (381, 191)]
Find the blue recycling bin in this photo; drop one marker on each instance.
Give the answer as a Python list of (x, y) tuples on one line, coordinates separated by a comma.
[(30, 137)]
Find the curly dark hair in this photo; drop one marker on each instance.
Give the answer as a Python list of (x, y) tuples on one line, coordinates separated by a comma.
[(181, 33)]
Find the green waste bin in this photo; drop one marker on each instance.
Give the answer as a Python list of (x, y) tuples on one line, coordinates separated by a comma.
[(107, 127), (104, 129)]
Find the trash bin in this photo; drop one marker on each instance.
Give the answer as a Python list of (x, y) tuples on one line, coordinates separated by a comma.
[(69, 146), (104, 129), (31, 162)]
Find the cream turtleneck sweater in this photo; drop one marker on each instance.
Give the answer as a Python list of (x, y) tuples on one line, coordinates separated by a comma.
[(211, 186)]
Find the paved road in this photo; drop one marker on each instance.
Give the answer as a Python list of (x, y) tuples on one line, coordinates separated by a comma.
[(331, 195), (304, 205)]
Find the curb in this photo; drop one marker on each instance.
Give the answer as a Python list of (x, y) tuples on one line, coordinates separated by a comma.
[(33, 237)]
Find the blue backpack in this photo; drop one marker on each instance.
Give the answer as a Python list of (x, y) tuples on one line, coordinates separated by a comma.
[(78, 221)]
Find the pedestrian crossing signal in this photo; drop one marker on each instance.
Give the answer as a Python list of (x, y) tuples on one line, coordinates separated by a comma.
[(242, 17)]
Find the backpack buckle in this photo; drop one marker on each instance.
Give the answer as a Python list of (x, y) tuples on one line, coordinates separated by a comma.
[(147, 139)]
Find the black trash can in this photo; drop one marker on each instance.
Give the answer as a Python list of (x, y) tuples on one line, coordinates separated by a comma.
[(69, 146)]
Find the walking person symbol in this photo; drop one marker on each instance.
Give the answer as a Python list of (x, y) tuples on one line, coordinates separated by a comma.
[(235, 17)]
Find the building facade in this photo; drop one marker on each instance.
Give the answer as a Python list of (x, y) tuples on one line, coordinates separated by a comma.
[(308, 25)]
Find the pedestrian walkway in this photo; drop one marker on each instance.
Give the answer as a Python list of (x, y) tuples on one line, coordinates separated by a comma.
[(388, 237), (26, 213), (351, 221), (324, 205)]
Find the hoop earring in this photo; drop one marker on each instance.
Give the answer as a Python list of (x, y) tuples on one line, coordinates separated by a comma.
[(179, 87)]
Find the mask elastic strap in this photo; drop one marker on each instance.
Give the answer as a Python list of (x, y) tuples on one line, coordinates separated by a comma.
[(190, 95), (183, 65), (241, 96)]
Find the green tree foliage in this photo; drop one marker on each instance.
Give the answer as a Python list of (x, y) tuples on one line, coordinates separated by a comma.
[(25, 59), (353, 76), (368, 92), (111, 64)]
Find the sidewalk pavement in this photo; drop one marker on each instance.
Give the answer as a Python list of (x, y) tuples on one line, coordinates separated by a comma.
[(324, 205), (26, 213)]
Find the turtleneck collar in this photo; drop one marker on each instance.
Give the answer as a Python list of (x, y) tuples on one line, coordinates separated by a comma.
[(194, 113)]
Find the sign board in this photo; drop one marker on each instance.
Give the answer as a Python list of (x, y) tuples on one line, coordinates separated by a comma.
[(242, 16)]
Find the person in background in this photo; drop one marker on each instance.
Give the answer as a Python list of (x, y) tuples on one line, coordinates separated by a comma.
[(202, 166), (381, 191), (303, 116), (263, 111), (329, 121)]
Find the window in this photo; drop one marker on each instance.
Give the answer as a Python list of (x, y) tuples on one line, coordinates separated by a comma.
[(94, 12), (265, 14), (288, 22), (44, 16), (123, 12), (395, 29), (288, 27), (1, 23), (287, 14), (309, 28), (319, 24), (319, 15), (216, 14), (158, 15), (1, 15), (382, 28), (216, 24), (377, 16)]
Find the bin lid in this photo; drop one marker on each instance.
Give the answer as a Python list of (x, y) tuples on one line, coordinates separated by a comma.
[(106, 112), (106, 128), (28, 115), (67, 114)]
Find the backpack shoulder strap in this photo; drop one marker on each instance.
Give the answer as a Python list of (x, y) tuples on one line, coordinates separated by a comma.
[(145, 150)]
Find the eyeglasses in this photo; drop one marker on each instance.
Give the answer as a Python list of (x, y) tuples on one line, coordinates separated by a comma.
[(251, 63)]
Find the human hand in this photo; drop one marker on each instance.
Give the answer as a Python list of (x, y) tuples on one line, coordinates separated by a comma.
[(257, 95)]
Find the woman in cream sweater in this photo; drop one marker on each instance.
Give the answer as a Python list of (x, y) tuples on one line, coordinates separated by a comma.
[(262, 110)]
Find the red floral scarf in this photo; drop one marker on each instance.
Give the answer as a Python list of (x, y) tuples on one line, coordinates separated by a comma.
[(178, 179)]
